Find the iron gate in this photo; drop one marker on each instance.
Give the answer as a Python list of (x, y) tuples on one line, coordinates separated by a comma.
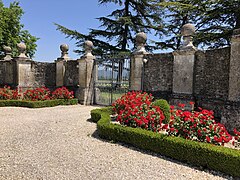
[(112, 78)]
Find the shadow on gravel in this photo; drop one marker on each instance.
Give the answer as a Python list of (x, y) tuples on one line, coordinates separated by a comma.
[(90, 120), (148, 152)]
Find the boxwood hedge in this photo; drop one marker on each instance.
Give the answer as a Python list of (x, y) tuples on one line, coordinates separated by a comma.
[(209, 156), (38, 104)]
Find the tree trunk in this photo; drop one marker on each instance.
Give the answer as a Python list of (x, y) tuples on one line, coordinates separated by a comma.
[(124, 46)]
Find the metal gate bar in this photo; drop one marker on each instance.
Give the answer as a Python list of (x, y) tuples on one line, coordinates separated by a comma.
[(109, 85)]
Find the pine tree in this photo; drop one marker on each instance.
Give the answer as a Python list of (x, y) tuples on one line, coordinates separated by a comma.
[(117, 30), (11, 30), (214, 21)]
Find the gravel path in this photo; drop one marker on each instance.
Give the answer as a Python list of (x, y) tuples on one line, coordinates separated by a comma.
[(59, 143)]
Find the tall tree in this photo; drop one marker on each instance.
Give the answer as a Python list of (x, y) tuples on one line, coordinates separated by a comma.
[(118, 29), (11, 30), (214, 21)]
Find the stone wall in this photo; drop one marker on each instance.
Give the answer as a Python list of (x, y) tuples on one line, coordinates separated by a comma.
[(71, 73), (45, 74), (210, 78), (2, 72), (211, 75), (158, 74), (6, 73)]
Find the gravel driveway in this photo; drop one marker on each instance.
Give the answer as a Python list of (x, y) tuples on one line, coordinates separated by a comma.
[(59, 143)]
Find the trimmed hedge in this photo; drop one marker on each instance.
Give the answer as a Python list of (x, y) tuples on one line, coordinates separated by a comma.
[(96, 113), (38, 104), (206, 155)]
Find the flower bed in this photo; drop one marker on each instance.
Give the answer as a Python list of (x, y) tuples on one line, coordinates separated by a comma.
[(136, 109), (206, 155), (36, 98), (143, 124)]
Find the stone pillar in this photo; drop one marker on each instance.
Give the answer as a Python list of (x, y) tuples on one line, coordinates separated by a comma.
[(23, 71), (234, 72), (184, 66), (231, 112), (60, 65), (137, 60), (85, 91)]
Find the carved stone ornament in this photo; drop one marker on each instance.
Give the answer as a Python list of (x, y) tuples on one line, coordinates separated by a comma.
[(64, 54), (187, 32), (8, 53), (22, 50), (141, 39)]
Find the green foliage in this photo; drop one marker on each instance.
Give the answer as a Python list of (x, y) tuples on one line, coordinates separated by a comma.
[(11, 30), (96, 113), (119, 28), (217, 158), (165, 107), (38, 104), (214, 21)]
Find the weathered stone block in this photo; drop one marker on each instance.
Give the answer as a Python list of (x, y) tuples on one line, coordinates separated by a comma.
[(136, 72), (60, 72), (158, 72), (234, 73), (183, 71)]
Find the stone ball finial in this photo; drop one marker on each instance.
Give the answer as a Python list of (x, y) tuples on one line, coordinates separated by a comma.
[(64, 54), (141, 38), (22, 49), (64, 47), (7, 49), (188, 30), (8, 52), (88, 45)]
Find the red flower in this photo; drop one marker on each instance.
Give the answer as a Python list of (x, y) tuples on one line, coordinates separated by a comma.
[(208, 139), (181, 105), (191, 103)]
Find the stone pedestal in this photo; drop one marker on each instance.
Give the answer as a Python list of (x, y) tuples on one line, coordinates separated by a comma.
[(60, 72), (86, 80), (24, 73), (137, 60), (183, 77), (60, 65), (234, 73), (183, 71), (136, 72), (183, 67)]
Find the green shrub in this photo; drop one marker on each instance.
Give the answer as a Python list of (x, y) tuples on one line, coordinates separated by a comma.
[(165, 107), (206, 155), (96, 113), (38, 104)]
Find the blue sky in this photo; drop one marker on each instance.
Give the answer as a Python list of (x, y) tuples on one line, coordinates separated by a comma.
[(40, 16)]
